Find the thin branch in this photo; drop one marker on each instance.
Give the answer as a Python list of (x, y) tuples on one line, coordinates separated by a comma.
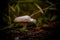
[(40, 10), (47, 7), (49, 2), (35, 13)]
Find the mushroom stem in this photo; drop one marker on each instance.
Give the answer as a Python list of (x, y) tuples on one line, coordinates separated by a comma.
[(24, 26)]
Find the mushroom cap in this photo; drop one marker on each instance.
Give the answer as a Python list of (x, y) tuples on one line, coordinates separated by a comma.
[(25, 19)]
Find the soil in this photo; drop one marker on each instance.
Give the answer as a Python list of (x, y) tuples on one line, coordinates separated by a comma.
[(38, 33)]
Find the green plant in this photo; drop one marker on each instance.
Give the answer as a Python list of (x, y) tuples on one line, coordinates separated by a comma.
[(18, 8)]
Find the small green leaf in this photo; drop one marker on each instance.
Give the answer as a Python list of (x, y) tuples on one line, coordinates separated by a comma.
[(52, 8), (53, 18), (17, 7), (13, 9)]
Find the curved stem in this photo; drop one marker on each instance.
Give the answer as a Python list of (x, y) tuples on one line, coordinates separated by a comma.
[(24, 26)]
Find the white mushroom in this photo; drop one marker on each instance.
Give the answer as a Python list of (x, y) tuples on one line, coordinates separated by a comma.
[(25, 20)]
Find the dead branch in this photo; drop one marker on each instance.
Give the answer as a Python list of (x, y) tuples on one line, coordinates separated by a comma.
[(40, 10)]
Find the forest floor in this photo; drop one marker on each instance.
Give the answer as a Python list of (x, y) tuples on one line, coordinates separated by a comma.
[(37, 33)]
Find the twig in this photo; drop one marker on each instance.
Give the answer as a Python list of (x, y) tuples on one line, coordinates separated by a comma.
[(40, 10), (35, 13), (49, 2), (45, 9)]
